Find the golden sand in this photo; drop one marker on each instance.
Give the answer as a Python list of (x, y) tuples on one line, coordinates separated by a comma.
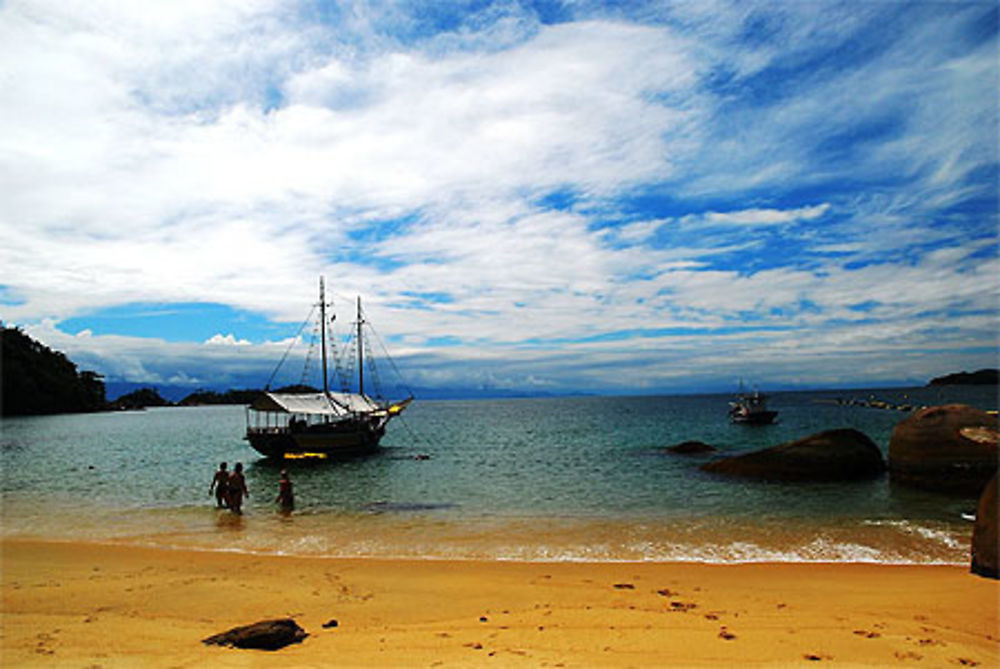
[(87, 605)]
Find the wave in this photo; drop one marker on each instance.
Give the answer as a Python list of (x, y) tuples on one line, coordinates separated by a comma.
[(421, 534)]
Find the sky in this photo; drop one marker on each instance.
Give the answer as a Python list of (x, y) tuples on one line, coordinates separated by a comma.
[(543, 197)]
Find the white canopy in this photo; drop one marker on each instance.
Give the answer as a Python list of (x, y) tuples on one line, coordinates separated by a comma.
[(317, 404)]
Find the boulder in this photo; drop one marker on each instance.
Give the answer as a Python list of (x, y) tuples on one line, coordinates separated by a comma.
[(833, 455), (950, 448), (690, 448), (985, 539), (263, 635)]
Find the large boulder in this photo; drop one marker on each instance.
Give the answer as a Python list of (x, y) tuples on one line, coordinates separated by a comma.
[(950, 448), (833, 455), (985, 539), (263, 635)]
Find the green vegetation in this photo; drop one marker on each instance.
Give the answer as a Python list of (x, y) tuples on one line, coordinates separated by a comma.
[(140, 399), (983, 377), (231, 396), (38, 380)]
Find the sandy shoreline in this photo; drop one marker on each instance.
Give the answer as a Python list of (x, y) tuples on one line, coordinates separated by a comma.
[(81, 604)]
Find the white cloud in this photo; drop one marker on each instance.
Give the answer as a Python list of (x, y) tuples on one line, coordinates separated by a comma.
[(766, 216), (226, 340), (231, 152)]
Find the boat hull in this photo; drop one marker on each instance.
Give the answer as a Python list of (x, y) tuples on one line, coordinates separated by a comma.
[(334, 441), (756, 418)]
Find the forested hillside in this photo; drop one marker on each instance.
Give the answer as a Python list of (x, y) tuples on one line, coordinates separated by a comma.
[(38, 380)]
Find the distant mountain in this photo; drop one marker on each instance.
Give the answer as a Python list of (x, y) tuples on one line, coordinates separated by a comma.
[(140, 399), (38, 380), (184, 396), (296, 388), (169, 392), (983, 377), (472, 393), (203, 397)]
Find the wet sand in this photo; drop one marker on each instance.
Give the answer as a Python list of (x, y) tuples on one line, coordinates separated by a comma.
[(81, 604)]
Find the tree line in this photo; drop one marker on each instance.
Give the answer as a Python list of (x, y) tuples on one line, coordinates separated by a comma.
[(38, 380)]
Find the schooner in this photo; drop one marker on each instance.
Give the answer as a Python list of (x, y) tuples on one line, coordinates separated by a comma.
[(321, 424)]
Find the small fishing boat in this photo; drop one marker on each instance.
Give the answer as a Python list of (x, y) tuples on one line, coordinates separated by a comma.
[(321, 424), (751, 409)]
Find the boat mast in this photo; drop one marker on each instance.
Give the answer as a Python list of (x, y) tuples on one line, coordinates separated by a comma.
[(361, 354), (322, 330)]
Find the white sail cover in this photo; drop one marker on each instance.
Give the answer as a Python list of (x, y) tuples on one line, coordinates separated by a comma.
[(315, 404)]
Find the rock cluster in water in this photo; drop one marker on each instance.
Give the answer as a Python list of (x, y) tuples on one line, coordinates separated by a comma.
[(985, 539), (834, 455), (690, 448), (950, 448), (871, 402)]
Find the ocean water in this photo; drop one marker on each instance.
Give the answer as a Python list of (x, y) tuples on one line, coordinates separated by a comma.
[(526, 479)]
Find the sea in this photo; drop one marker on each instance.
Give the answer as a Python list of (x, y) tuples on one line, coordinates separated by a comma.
[(541, 479)]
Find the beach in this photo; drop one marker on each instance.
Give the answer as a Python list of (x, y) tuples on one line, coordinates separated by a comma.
[(93, 604), (525, 533)]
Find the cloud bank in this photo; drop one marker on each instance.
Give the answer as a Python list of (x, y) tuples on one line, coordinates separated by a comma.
[(662, 198)]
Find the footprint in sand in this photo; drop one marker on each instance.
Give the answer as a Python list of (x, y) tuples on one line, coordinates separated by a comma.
[(726, 634), (683, 607), (44, 640), (867, 634), (908, 655), (813, 657), (930, 642)]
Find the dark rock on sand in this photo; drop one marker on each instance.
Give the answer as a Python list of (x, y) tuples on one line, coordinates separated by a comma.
[(985, 538), (690, 448), (950, 448), (263, 635), (833, 455)]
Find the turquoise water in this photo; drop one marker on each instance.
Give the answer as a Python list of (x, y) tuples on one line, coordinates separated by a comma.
[(572, 478)]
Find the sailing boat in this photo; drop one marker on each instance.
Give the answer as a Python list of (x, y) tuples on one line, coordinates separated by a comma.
[(326, 424), (751, 408)]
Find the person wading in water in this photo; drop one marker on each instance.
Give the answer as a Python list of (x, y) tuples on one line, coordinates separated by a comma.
[(286, 497), (237, 489), (220, 484)]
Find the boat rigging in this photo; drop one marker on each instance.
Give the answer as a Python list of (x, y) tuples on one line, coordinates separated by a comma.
[(325, 424)]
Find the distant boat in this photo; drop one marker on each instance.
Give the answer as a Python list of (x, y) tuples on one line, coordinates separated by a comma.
[(326, 424), (751, 409)]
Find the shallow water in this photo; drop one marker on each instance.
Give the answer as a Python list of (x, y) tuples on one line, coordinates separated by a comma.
[(533, 479)]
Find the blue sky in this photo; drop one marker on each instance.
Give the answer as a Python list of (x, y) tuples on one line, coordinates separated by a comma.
[(544, 197)]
